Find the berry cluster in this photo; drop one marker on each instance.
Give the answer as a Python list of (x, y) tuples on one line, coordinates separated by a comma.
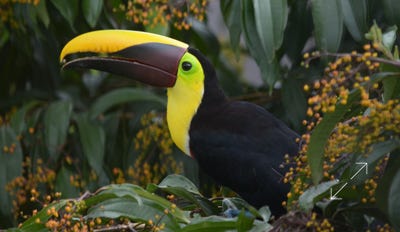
[(155, 12)]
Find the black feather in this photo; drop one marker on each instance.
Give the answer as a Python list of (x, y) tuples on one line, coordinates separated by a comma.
[(241, 145)]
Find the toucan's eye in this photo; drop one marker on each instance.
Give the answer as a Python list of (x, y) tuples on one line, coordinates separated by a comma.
[(186, 66)]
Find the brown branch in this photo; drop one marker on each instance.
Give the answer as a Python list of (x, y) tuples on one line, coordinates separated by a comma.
[(357, 55), (129, 226), (84, 196)]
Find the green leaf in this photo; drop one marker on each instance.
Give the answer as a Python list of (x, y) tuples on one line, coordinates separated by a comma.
[(31, 18), (391, 84), (320, 136), (114, 191), (10, 166), (4, 35), (265, 213), (182, 187), (17, 121), (355, 17), (294, 100), (120, 96), (270, 73), (63, 183), (378, 151), (56, 121), (31, 225), (92, 138), (396, 53), (374, 34), (91, 11), (389, 37), (253, 41), (156, 201), (244, 222), (174, 180), (322, 131), (391, 88), (314, 194), (394, 200), (270, 17), (212, 223), (42, 13), (388, 183), (261, 226), (328, 24), (298, 31), (68, 9), (125, 207), (239, 203), (391, 9), (269, 70), (132, 201), (231, 11)]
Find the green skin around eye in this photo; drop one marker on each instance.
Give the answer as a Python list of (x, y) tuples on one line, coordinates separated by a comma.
[(195, 72)]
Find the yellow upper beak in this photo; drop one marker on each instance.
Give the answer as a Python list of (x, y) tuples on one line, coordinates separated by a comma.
[(146, 57)]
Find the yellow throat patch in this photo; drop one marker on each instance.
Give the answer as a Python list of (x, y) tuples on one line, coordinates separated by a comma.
[(184, 99)]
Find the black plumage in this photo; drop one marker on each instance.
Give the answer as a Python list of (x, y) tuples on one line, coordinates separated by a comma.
[(240, 145)]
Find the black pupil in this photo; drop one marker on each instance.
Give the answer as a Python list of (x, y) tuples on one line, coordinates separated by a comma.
[(186, 66)]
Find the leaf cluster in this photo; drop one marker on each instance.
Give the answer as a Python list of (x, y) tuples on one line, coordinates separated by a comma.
[(130, 207)]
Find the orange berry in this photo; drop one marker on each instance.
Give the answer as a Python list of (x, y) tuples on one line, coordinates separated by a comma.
[(367, 47)]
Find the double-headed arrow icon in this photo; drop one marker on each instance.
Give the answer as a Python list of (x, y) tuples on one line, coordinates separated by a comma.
[(334, 196)]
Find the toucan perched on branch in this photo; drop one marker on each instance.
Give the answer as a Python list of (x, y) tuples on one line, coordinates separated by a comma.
[(239, 144)]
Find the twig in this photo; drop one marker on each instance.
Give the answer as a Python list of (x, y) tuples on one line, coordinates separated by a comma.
[(357, 55), (84, 196), (130, 226)]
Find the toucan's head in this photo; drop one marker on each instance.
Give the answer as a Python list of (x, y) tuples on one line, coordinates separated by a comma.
[(152, 59), (149, 58)]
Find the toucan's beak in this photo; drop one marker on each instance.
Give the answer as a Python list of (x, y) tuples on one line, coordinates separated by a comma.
[(148, 58)]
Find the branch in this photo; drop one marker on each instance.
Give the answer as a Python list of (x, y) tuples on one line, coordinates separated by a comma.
[(129, 227), (357, 55)]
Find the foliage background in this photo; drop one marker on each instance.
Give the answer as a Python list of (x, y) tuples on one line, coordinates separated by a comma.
[(68, 132)]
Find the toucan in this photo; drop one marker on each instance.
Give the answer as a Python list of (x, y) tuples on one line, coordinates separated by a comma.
[(238, 144)]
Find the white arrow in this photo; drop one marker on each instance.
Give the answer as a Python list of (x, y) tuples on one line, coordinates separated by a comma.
[(364, 164), (333, 197)]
